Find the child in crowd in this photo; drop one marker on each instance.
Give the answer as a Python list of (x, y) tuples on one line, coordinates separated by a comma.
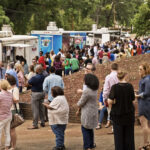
[(102, 111)]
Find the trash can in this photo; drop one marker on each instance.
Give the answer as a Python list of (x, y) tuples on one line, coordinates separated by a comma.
[(26, 110)]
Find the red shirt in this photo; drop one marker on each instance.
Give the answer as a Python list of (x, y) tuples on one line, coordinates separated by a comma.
[(42, 61), (101, 54), (139, 49), (108, 54)]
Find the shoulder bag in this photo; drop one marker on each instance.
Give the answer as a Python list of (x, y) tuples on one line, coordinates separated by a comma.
[(17, 119)]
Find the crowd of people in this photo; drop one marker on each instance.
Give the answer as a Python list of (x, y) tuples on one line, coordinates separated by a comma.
[(44, 76)]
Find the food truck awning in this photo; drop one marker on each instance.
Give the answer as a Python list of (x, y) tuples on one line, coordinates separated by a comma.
[(16, 39), (19, 45)]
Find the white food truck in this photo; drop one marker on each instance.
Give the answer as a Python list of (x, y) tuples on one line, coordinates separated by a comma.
[(12, 45)]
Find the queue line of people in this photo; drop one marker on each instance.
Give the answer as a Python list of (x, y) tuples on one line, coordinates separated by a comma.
[(47, 83), (75, 59), (120, 101)]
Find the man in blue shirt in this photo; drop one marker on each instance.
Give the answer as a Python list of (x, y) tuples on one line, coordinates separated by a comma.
[(112, 56), (2, 71), (37, 97), (51, 81), (10, 70)]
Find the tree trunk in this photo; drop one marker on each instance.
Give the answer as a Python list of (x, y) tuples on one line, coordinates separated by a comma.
[(109, 15)]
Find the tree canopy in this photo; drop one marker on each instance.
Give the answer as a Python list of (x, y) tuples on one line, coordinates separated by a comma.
[(3, 18), (27, 15), (141, 20)]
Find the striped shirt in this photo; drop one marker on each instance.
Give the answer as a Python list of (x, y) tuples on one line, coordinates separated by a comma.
[(6, 100), (110, 80)]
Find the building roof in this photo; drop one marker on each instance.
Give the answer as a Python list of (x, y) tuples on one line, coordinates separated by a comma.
[(66, 32)]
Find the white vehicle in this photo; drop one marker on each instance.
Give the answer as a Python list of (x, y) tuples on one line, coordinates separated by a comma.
[(125, 35)]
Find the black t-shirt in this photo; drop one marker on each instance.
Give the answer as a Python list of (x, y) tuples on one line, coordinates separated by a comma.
[(87, 61), (122, 111)]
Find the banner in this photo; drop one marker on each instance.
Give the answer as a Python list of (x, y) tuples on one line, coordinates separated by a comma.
[(46, 43)]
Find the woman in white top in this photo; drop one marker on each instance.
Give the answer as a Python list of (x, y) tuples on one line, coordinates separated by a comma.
[(52, 56), (31, 72), (30, 75), (58, 114), (20, 75), (15, 91)]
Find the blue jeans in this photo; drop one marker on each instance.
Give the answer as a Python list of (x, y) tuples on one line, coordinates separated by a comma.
[(59, 131), (73, 71), (102, 113), (67, 71), (88, 138), (20, 89)]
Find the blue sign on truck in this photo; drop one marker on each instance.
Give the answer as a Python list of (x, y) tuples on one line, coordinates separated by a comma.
[(48, 42)]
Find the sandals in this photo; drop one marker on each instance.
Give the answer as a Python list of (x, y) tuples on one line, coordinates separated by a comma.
[(108, 124), (143, 148), (98, 127), (11, 148), (146, 147), (32, 127)]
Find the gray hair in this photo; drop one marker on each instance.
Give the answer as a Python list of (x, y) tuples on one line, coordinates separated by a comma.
[(39, 69), (11, 65)]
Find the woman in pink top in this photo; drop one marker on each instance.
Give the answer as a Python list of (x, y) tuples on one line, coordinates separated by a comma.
[(5, 113), (58, 65)]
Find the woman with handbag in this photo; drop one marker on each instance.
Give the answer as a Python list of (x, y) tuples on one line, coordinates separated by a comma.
[(15, 92), (6, 100)]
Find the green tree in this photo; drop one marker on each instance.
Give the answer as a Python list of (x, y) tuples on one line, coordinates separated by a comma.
[(3, 18), (141, 21), (30, 15), (19, 12), (74, 13)]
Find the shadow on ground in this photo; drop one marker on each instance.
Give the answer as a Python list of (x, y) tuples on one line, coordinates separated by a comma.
[(44, 139)]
